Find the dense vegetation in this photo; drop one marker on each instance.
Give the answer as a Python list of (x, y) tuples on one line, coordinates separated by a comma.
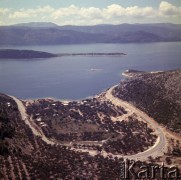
[(88, 125), (8, 114)]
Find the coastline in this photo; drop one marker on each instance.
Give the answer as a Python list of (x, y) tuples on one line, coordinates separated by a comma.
[(132, 73), (160, 146)]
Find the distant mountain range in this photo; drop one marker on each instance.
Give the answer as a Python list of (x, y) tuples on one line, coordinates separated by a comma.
[(49, 33)]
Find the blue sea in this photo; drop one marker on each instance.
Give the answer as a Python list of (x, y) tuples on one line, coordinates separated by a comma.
[(77, 77)]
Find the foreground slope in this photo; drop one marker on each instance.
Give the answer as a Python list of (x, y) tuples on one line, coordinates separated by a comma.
[(23, 155)]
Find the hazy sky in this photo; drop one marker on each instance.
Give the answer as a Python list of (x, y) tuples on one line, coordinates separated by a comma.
[(90, 12)]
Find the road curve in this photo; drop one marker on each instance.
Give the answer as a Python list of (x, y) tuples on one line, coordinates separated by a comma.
[(160, 146), (156, 150)]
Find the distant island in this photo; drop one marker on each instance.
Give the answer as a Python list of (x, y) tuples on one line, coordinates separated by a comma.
[(31, 54), (20, 54)]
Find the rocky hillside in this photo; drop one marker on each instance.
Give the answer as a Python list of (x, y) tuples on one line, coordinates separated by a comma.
[(158, 94), (25, 156)]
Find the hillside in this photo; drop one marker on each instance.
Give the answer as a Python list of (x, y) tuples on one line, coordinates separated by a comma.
[(49, 33), (158, 94), (18, 35), (26, 156)]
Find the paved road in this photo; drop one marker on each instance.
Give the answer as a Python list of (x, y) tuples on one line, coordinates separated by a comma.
[(161, 143), (154, 151)]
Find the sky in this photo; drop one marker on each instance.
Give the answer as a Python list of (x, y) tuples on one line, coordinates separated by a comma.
[(90, 12)]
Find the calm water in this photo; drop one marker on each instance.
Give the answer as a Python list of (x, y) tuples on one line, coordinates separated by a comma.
[(80, 77)]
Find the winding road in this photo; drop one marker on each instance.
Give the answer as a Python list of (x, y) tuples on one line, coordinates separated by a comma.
[(161, 144), (156, 150)]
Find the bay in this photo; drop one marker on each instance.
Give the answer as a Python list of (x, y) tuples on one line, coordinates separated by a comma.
[(81, 76)]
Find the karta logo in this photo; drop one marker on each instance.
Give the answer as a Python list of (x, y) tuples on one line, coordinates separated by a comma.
[(135, 170)]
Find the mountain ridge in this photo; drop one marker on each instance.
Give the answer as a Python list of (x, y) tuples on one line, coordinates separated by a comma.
[(52, 34)]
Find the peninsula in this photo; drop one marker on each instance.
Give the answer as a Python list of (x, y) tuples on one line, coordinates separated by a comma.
[(31, 54)]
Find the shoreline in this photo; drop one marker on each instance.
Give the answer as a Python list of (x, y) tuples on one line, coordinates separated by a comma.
[(63, 100), (134, 73)]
